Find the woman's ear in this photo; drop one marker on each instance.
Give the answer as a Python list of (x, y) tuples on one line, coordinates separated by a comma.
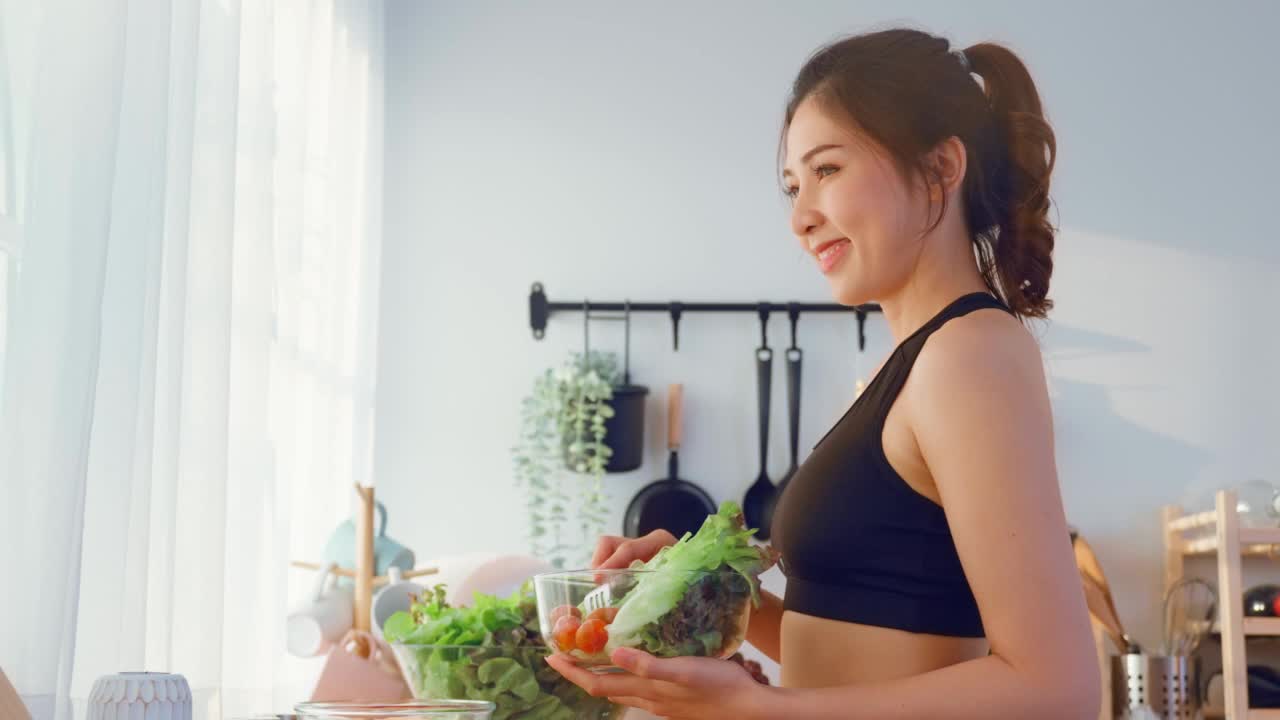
[(942, 173), (946, 163)]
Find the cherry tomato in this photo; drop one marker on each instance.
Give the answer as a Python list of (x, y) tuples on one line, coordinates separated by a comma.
[(566, 631), (564, 611), (605, 614), (592, 636)]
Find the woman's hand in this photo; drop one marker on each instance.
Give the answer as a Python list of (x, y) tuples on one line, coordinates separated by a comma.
[(613, 552), (677, 688)]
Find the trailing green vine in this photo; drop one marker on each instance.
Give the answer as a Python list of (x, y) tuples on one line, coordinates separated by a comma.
[(562, 435)]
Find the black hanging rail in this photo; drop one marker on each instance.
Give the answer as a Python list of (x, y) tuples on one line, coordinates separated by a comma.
[(540, 310)]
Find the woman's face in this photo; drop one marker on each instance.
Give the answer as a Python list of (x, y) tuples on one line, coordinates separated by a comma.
[(850, 209)]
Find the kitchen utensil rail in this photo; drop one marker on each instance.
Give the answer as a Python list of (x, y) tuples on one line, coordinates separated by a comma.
[(541, 309)]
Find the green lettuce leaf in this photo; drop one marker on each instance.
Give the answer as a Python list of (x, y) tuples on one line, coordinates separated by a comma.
[(693, 597)]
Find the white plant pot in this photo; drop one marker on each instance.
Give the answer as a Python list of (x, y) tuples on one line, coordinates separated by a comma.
[(141, 695)]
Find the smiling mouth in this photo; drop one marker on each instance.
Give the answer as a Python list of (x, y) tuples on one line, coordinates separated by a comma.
[(826, 247), (831, 254)]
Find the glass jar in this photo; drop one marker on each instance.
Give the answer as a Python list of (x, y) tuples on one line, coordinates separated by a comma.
[(1257, 501), (414, 710)]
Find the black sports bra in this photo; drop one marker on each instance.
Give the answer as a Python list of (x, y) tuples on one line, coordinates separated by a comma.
[(858, 543)]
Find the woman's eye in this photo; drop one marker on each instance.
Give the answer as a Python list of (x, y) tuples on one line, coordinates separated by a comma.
[(792, 191)]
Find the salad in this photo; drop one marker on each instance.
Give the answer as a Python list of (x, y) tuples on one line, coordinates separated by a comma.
[(692, 598), (491, 651)]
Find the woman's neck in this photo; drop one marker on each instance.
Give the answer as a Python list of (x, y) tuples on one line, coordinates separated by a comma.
[(945, 270)]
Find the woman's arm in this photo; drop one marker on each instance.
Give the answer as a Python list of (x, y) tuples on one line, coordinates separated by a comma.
[(765, 629), (984, 427)]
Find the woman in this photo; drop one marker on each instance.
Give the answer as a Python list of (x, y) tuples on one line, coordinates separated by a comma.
[(929, 571)]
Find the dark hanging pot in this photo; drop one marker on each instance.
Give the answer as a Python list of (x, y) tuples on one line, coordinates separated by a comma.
[(624, 432)]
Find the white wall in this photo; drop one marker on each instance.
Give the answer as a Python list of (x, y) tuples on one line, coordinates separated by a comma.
[(628, 151)]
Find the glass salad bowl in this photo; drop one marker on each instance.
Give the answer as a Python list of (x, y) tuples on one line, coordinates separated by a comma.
[(488, 650), (514, 677), (667, 612), (434, 710)]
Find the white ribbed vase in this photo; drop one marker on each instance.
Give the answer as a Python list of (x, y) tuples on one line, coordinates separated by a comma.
[(140, 696)]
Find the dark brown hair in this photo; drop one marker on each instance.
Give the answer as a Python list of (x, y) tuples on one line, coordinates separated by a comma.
[(907, 91)]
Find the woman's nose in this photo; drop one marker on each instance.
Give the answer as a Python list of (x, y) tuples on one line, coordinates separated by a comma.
[(804, 221)]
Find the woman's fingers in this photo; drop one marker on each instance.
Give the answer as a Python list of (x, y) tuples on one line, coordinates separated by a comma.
[(636, 702), (626, 551), (599, 685), (606, 546), (622, 557), (644, 665), (623, 553)]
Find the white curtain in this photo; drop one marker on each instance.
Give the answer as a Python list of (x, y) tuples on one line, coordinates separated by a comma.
[(190, 201)]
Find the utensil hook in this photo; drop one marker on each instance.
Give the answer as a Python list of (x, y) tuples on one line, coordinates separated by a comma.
[(793, 312), (677, 308), (586, 332), (626, 335), (764, 325)]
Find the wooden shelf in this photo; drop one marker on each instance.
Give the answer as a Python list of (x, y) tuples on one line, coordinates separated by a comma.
[(1261, 541), (1262, 626), (1200, 546), (1259, 536), (1254, 548), (1218, 533), (1191, 522), (1254, 714), (1254, 627)]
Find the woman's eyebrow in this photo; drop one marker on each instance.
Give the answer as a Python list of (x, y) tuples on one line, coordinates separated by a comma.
[(805, 158)]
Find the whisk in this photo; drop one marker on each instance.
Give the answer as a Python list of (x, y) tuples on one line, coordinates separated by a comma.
[(1189, 607)]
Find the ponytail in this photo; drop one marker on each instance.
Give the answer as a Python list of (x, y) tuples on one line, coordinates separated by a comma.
[(1010, 217)]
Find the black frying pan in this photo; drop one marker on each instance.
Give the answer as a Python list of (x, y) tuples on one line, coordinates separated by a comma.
[(671, 504)]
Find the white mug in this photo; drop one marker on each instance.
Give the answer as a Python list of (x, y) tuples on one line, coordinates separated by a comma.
[(392, 598), (319, 624)]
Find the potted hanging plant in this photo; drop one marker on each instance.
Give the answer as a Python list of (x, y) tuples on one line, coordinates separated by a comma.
[(620, 407), (562, 443), (588, 387)]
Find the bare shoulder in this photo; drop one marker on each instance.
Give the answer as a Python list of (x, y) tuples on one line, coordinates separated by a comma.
[(987, 347)]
